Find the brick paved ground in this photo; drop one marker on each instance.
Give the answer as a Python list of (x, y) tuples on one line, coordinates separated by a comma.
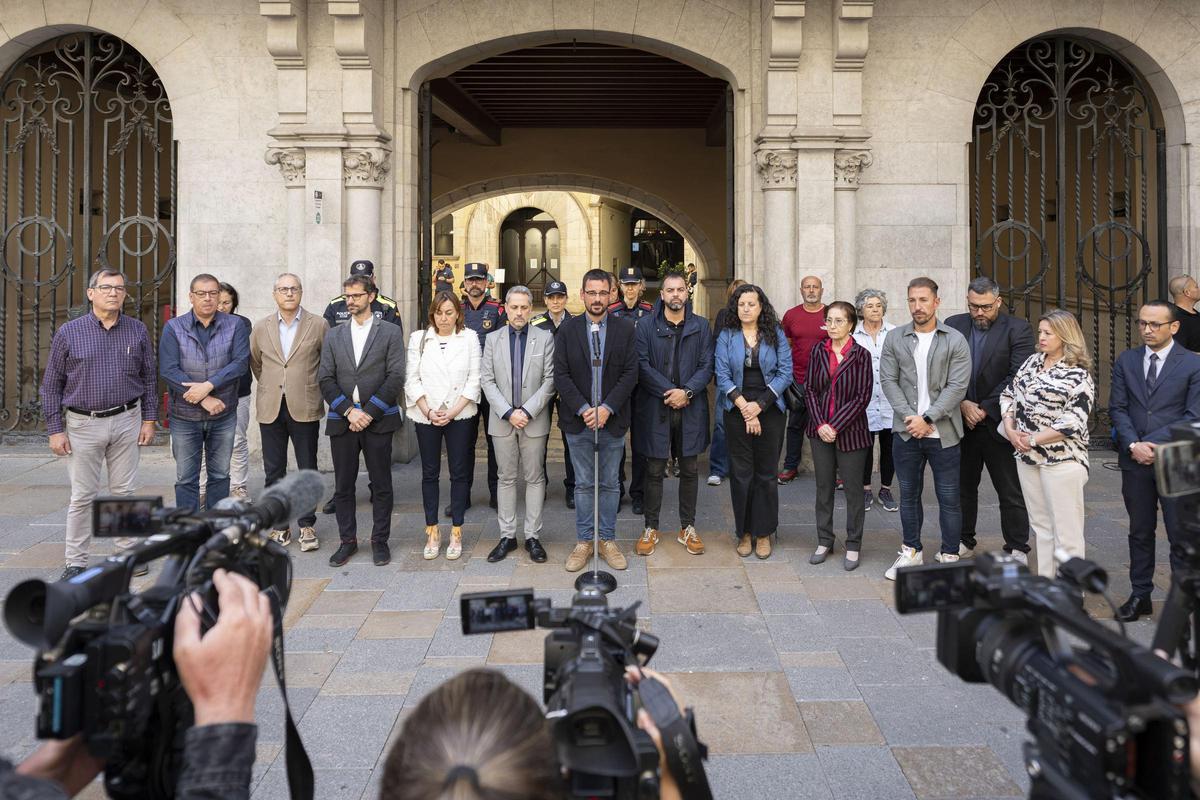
[(806, 683)]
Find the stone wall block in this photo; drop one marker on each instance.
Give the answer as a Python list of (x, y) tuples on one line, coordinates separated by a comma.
[(904, 162), (903, 247), (1028, 18), (158, 31), (701, 24), (1076, 13), (447, 26), (959, 73), (987, 34), (1127, 18), (64, 11), (187, 72), (573, 15), (21, 16), (111, 16), (658, 20), (618, 16), (904, 205), (1167, 36)]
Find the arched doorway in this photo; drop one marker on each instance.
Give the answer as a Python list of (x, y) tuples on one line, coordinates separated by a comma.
[(1068, 190), (87, 163), (529, 250)]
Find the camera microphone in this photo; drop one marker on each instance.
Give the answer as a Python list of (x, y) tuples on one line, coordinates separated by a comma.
[(296, 494)]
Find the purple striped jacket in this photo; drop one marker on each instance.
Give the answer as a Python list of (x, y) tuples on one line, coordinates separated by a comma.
[(852, 395)]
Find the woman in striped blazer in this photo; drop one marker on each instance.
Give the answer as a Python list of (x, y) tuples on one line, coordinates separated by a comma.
[(837, 391)]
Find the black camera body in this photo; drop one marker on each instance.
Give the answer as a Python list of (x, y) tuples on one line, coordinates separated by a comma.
[(1103, 714), (593, 708)]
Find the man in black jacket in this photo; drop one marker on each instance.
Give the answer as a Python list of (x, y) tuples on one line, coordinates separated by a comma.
[(361, 377), (595, 371), (999, 345)]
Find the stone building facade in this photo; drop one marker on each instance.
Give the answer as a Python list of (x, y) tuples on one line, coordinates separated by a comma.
[(849, 151)]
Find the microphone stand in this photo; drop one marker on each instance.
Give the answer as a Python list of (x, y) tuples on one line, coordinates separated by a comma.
[(604, 582)]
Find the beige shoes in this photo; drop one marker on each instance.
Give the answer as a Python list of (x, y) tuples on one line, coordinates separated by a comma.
[(282, 538), (612, 555), (691, 540), (308, 540), (744, 545), (579, 556), (433, 542), (454, 549), (763, 548)]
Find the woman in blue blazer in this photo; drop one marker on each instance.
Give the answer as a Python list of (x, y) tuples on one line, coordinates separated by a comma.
[(753, 368)]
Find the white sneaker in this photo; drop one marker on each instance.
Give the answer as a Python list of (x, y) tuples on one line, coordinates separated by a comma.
[(283, 538), (240, 493), (965, 552), (907, 557), (714, 480), (947, 558), (1020, 557), (308, 540)]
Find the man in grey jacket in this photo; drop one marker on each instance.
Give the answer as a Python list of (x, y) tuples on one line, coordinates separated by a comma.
[(924, 372)]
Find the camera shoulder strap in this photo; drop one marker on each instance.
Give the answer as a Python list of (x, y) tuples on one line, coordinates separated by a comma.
[(299, 768), (685, 752)]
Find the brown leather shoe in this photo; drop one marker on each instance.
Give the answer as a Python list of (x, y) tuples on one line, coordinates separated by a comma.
[(612, 555), (744, 545), (579, 556), (691, 540), (645, 545), (763, 548)]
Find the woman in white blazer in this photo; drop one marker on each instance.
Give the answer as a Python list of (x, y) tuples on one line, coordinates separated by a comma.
[(441, 387)]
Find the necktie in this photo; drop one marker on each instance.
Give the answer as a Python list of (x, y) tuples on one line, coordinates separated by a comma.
[(1152, 375), (518, 361)]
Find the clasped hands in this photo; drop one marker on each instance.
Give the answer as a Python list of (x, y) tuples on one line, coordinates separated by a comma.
[(917, 427), (200, 393), (596, 418), (359, 419)]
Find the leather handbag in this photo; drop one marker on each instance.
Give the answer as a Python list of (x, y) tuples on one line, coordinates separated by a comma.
[(793, 397)]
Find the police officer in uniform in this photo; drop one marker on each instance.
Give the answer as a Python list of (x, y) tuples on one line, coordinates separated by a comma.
[(336, 313), (556, 314), (483, 315), (633, 308)]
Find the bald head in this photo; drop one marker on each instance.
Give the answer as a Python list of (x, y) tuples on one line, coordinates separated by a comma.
[(811, 291), (1184, 291)]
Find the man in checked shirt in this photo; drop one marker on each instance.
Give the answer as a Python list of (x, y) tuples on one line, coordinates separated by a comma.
[(98, 397)]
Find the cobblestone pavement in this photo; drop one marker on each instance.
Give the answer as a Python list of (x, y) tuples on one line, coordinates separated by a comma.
[(805, 681)]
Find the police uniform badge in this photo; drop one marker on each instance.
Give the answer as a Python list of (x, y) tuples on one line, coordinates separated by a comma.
[(487, 323)]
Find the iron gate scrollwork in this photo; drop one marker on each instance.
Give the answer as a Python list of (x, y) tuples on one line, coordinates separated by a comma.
[(87, 162), (1068, 192)]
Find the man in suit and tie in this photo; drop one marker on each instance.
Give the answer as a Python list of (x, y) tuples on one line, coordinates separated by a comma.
[(595, 371), (517, 377), (361, 377), (999, 345), (285, 351), (1153, 388)]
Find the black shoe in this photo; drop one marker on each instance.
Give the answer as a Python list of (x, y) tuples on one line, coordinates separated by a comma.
[(329, 509), (571, 499), (1134, 607), (535, 549), (637, 508), (381, 553), (343, 553), (503, 547), (449, 515), (493, 502), (70, 572)]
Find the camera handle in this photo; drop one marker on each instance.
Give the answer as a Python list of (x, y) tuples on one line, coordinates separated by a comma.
[(1179, 626)]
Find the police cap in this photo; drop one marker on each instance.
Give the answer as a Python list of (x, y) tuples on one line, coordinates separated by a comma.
[(555, 287), (362, 267), (475, 269), (631, 275)]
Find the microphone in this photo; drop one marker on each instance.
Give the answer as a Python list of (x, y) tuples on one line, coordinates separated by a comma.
[(297, 494)]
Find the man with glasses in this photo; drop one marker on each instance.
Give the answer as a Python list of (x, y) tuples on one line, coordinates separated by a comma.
[(1153, 388), (99, 399), (999, 345), (285, 352), (202, 356)]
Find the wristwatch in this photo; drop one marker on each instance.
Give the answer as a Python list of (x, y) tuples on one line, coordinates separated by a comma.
[(928, 421), (689, 393)]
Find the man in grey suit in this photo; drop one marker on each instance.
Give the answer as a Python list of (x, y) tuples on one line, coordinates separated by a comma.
[(517, 378), (361, 377), (924, 371)]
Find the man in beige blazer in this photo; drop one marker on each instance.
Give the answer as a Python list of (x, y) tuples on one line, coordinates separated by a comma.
[(285, 351), (519, 418)]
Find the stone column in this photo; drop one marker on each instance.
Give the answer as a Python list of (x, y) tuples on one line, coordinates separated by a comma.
[(847, 166), (290, 161), (364, 172), (778, 171)]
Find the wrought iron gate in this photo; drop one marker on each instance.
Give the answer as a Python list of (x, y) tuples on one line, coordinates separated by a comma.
[(88, 170), (1068, 192)]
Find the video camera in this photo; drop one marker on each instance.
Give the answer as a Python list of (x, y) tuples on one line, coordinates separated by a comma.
[(592, 707), (1177, 473), (1104, 713), (104, 667)]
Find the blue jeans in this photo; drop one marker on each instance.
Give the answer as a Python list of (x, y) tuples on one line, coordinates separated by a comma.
[(189, 440), (718, 456), (910, 458), (582, 455)]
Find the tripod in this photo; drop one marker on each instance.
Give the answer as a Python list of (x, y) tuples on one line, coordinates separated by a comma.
[(596, 578)]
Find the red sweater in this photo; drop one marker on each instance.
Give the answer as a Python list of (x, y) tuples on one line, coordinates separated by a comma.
[(803, 329)]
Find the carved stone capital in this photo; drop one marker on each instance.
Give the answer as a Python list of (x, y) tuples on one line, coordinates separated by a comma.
[(847, 166), (365, 167), (290, 161), (777, 168)]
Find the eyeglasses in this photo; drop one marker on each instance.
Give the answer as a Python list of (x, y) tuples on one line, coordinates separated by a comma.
[(1147, 325), (109, 288), (596, 295), (356, 296), (836, 321), (984, 307), (287, 289), (208, 294)]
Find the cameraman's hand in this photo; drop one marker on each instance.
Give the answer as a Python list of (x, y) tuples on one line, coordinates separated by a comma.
[(668, 789), (221, 672), (67, 763)]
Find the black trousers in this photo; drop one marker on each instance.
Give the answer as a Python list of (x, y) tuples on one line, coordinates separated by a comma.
[(459, 436), (828, 463), (753, 460), (637, 485), (981, 446), (656, 469), (1139, 488), (480, 421), (569, 478), (376, 450), (887, 469), (796, 423), (275, 436)]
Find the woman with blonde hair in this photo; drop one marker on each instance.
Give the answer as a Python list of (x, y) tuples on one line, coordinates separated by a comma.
[(441, 385), (1045, 416)]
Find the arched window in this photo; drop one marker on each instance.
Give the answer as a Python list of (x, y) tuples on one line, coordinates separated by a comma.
[(443, 236)]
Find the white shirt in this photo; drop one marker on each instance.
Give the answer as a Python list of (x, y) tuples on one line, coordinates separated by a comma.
[(287, 333), (358, 340), (921, 357), (1162, 357)]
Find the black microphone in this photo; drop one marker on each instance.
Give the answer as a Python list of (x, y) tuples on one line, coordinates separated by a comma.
[(297, 494)]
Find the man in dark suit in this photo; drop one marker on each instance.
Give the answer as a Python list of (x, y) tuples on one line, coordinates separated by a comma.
[(999, 346), (595, 371), (1153, 387), (361, 377)]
